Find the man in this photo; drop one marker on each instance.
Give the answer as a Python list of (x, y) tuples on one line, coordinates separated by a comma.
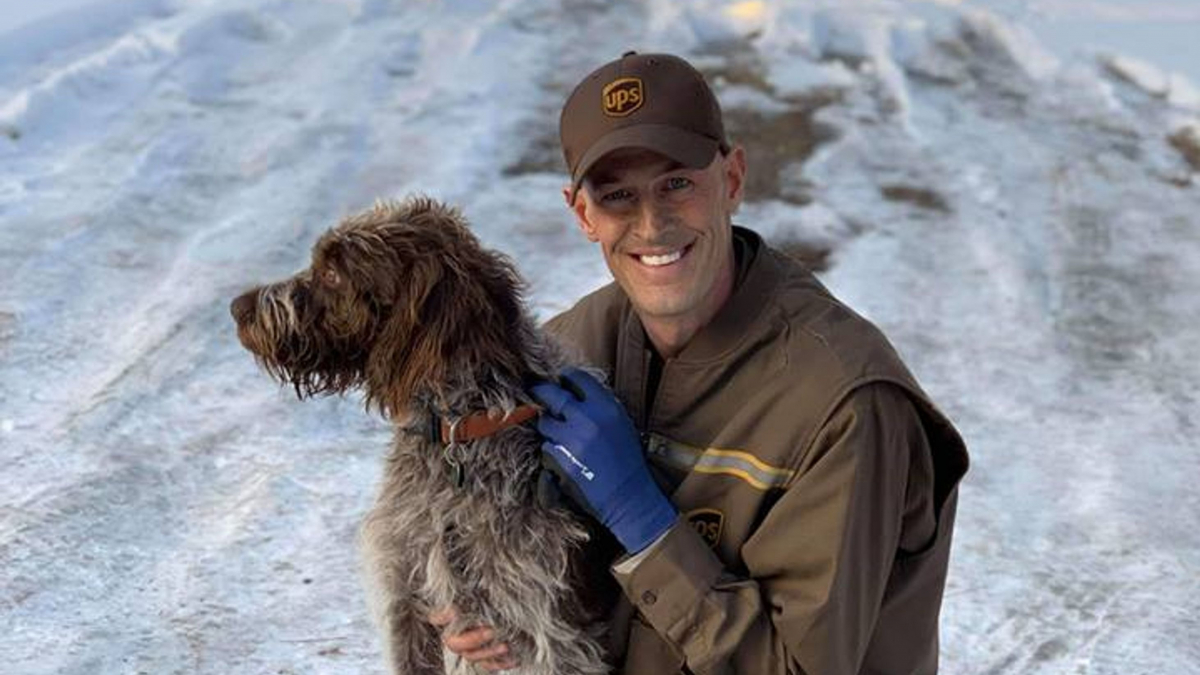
[(783, 489)]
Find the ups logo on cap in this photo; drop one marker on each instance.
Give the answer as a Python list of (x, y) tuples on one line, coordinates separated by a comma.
[(623, 96), (708, 524)]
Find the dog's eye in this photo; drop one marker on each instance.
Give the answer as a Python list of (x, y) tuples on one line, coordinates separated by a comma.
[(330, 277)]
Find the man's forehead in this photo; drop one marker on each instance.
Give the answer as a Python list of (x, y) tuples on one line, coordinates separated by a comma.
[(619, 164)]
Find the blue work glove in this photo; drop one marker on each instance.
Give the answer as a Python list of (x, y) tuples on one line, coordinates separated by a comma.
[(591, 439)]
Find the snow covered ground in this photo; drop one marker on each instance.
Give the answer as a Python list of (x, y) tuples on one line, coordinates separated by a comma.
[(1019, 215)]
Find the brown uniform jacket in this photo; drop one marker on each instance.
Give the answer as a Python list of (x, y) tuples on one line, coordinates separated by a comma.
[(816, 485)]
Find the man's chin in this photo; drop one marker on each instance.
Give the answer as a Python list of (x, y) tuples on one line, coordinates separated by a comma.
[(661, 308)]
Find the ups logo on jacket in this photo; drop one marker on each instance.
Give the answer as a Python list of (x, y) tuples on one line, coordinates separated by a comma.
[(708, 524), (623, 96)]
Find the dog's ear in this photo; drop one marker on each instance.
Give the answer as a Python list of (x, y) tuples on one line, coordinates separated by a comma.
[(455, 321), (401, 357), (460, 331)]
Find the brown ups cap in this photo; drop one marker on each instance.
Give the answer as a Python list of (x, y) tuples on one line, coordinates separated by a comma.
[(653, 101)]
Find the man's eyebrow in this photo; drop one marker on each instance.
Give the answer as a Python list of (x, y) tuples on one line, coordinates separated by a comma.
[(601, 177)]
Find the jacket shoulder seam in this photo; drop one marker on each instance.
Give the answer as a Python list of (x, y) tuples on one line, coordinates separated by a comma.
[(805, 447)]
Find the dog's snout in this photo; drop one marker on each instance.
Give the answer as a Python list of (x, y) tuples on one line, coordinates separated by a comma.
[(242, 307)]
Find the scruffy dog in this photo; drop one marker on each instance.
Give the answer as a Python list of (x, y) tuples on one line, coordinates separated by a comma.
[(402, 302)]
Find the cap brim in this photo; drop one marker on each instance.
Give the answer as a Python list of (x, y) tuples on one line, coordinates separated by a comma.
[(690, 149)]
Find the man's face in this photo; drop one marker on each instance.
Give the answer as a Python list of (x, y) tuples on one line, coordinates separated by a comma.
[(665, 229)]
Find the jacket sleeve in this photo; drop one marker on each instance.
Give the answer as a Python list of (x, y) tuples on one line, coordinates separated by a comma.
[(818, 563)]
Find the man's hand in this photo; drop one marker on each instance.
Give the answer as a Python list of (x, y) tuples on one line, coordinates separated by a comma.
[(474, 645), (591, 439)]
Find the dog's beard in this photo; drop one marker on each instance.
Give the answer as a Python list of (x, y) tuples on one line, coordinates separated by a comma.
[(310, 375), (289, 342)]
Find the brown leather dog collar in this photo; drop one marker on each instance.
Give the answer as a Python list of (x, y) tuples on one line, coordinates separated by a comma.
[(480, 425)]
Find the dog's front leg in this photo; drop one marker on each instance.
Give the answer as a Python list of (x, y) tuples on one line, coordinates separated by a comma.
[(413, 644), (394, 576)]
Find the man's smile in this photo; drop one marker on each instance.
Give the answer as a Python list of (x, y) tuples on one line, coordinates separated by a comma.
[(663, 258)]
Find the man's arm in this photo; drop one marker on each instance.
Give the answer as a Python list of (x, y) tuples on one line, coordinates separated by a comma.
[(819, 562)]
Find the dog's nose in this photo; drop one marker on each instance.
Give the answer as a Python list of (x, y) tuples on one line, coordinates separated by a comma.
[(242, 307)]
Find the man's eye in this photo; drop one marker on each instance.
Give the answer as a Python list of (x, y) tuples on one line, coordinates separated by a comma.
[(616, 196), (678, 183)]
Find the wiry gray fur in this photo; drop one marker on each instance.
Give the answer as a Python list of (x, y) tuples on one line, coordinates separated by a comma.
[(486, 548)]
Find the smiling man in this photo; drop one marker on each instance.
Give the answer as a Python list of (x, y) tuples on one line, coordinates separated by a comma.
[(783, 490)]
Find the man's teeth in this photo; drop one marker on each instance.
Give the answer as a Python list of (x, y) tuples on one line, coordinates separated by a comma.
[(659, 260)]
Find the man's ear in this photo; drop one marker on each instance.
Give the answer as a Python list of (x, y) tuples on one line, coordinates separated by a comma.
[(735, 177), (579, 208)]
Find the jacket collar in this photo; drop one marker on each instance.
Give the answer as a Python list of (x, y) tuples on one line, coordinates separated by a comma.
[(737, 319)]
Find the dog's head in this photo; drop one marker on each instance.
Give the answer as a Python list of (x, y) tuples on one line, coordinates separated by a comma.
[(401, 300)]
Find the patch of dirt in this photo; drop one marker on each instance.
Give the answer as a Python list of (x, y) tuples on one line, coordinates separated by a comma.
[(1187, 142), (775, 141), (8, 327), (1051, 650), (921, 197), (542, 153)]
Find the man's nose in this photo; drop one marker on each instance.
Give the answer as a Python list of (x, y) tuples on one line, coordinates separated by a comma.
[(653, 219)]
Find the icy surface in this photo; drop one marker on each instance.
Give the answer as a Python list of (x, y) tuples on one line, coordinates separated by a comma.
[(1023, 223)]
